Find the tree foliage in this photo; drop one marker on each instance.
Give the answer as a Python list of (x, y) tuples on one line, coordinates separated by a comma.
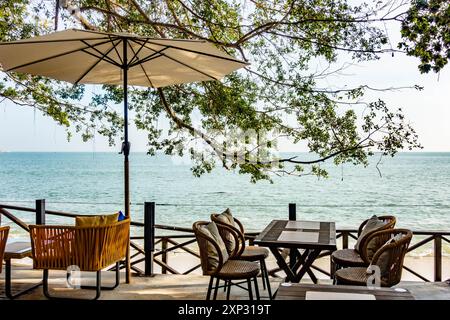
[(279, 93), (426, 33)]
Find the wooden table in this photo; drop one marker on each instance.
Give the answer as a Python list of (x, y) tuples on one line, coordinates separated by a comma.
[(298, 291), (311, 236), (16, 250)]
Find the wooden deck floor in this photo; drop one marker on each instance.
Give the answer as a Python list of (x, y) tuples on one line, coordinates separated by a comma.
[(169, 287)]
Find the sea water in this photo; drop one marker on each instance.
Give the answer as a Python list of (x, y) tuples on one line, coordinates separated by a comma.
[(415, 187)]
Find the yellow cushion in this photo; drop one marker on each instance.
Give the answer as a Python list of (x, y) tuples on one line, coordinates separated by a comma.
[(96, 221)]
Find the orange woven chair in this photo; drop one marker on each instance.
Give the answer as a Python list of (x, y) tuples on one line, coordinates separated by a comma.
[(3, 238), (88, 248)]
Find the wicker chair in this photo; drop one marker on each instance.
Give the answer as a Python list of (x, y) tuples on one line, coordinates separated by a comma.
[(247, 253), (350, 257), (3, 238), (389, 258), (87, 248), (227, 270)]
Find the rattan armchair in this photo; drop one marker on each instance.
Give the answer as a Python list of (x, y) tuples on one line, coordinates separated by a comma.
[(227, 270), (3, 238), (244, 252), (389, 258), (345, 258), (85, 248)]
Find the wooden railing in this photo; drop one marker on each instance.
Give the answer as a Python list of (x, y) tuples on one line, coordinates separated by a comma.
[(156, 248)]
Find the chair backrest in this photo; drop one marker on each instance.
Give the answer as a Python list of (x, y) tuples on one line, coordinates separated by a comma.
[(230, 234), (368, 248), (390, 256), (206, 242), (389, 223), (238, 222), (89, 248), (4, 231)]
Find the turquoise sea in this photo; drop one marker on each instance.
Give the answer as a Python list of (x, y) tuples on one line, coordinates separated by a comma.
[(415, 187)]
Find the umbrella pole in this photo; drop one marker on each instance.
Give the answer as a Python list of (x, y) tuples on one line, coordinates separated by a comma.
[(126, 152)]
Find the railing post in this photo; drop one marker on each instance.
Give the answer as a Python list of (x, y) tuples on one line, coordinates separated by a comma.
[(164, 254), (344, 240), (149, 236), (292, 211), (292, 216), (438, 258), (40, 211)]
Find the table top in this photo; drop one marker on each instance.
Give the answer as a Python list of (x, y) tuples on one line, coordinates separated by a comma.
[(17, 250), (298, 234), (298, 291)]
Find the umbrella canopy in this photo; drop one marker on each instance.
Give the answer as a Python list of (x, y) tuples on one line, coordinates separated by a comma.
[(80, 56)]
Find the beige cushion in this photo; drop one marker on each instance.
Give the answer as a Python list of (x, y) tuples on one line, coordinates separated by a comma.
[(213, 257), (96, 221), (373, 224), (227, 218)]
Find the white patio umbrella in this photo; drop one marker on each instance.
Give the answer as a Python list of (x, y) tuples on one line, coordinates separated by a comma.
[(88, 57)]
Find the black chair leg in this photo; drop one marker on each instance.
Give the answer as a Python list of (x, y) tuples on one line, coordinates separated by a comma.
[(336, 267), (250, 293), (228, 287), (266, 279), (261, 263), (332, 268), (216, 288), (208, 294), (98, 288), (255, 280)]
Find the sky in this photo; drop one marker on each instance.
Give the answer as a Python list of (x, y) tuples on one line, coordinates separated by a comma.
[(24, 129)]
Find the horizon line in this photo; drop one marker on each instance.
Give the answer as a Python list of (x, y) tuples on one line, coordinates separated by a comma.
[(162, 152)]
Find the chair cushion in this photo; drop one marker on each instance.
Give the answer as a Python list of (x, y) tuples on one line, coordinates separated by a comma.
[(347, 258), (238, 269), (211, 231), (96, 221), (373, 224), (227, 218), (254, 253)]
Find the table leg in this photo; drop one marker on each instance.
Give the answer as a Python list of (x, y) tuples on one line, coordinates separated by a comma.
[(290, 276), (302, 259), (311, 257)]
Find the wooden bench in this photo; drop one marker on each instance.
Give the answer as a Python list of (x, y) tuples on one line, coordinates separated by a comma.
[(16, 250)]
